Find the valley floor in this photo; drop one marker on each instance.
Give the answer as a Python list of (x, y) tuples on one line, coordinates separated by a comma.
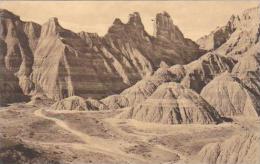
[(99, 137)]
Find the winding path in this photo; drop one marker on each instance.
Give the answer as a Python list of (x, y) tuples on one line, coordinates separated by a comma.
[(108, 147)]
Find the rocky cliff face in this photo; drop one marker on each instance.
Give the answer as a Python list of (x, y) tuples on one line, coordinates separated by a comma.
[(231, 97), (141, 90), (17, 42), (239, 39), (248, 70), (237, 93), (172, 103), (53, 60), (202, 71), (194, 76), (235, 38), (170, 44), (64, 65)]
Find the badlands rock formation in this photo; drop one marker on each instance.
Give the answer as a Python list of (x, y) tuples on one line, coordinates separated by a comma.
[(230, 97), (203, 70), (248, 70), (52, 60), (240, 34), (240, 149), (237, 93), (172, 103), (79, 104), (194, 75), (17, 43), (142, 89), (64, 65)]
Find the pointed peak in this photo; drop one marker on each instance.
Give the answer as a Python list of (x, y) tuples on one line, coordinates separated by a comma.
[(54, 20), (51, 27), (135, 19), (8, 14), (117, 21), (163, 19), (164, 28), (163, 14)]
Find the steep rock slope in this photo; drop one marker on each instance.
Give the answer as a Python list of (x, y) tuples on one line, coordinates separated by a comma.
[(142, 89), (231, 97), (65, 66), (114, 62), (248, 69), (135, 53), (132, 36), (170, 45), (194, 76), (79, 104), (240, 34), (172, 103), (17, 43), (239, 149), (203, 70)]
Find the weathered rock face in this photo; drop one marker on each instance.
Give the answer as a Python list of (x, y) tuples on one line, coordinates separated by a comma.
[(230, 97), (172, 103), (237, 37), (78, 104), (145, 87), (17, 42), (239, 149), (170, 44), (64, 65), (236, 93), (166, 30), (248, 70), (125, 55), (194, 76), (203, 70), (217, 37)]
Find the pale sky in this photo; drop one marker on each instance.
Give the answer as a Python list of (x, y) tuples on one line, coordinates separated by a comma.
[(194, 18)]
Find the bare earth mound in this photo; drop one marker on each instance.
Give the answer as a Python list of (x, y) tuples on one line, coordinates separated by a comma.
[(79, 103), (230, 97), (239, 149), (144, 88), (172, 103)]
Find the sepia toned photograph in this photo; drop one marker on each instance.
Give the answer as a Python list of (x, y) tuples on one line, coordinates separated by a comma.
[(130, 82)]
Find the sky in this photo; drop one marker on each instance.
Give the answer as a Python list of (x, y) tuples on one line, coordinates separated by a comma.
[(194, 18)]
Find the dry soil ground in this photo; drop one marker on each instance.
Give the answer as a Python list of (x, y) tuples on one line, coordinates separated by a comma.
[(99, 137)]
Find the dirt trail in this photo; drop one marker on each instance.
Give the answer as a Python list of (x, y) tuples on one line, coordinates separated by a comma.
[(92, 143)]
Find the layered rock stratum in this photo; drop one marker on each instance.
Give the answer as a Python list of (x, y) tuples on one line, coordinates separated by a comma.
[(17, 43), (230, 97), (228, 81), (52, 60), (194, 75), (238, 36)]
